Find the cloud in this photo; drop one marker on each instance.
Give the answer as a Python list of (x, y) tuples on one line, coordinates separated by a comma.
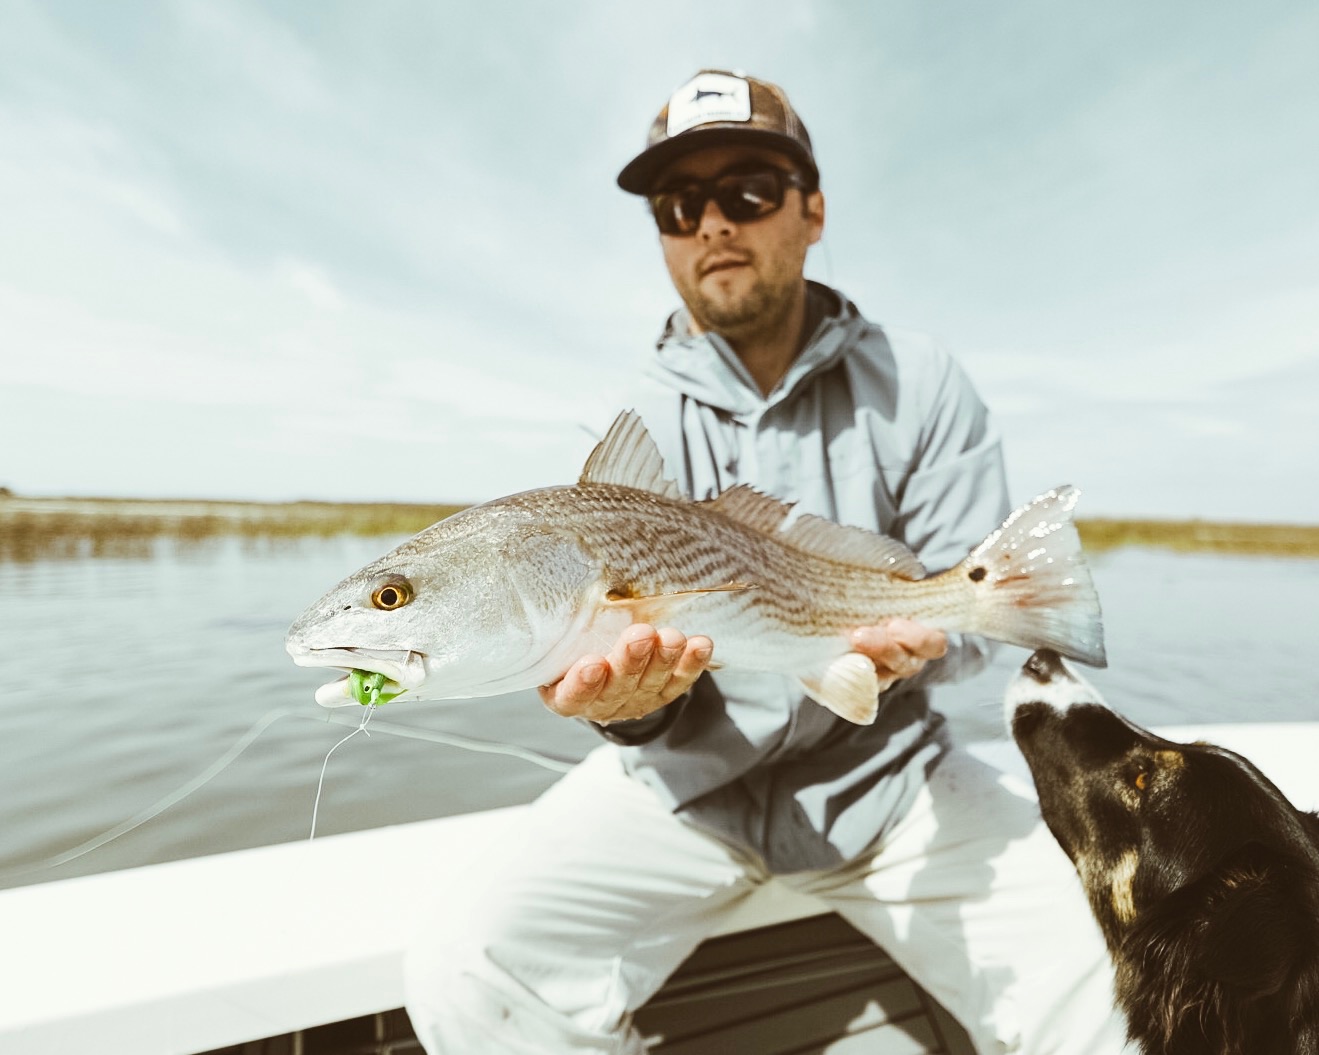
[(312, 281), (1238, 451), (1206, 425), (252, 52), (382, 244)]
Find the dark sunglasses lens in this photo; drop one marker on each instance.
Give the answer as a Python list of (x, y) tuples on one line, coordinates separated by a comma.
[(741, 197), (679, 211), (749, 196)]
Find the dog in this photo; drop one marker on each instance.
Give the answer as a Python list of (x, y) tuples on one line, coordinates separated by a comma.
[(1203, 877)]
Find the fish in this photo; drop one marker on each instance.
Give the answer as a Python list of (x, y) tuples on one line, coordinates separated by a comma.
[(508, 594)]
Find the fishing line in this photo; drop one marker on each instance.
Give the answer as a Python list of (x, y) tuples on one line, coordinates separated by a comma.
[(492, 747), (156, 808), (320, 784), (526, 754), (828, 261)]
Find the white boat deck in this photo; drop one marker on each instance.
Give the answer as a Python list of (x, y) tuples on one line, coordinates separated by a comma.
[(196, 955)]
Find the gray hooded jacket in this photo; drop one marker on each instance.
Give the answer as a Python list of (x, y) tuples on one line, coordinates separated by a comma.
[(870, 428)]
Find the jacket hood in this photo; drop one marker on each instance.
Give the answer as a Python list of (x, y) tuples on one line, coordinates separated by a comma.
[(705, 367)]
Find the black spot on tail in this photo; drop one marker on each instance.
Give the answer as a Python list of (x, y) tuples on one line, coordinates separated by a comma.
[(976, 574)]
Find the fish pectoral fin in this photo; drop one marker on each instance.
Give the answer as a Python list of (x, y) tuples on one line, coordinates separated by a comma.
[(626, 593), (658, 609), (849, 687)]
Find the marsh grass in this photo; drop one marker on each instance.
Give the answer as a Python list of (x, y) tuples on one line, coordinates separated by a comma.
[(68, 528), (1202, 536)]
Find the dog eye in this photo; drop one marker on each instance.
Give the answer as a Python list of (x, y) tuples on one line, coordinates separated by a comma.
[(1136, 774)]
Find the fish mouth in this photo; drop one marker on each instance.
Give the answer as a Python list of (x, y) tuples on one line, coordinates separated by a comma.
[(404, 668)]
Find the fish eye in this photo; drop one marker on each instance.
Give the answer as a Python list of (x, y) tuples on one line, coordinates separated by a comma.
[(392, 595), (1140, 779)]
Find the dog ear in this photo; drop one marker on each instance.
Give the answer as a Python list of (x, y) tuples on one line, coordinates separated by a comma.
[(1252, 929)]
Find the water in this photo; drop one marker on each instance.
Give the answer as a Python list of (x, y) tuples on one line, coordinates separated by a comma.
[(124, 678)]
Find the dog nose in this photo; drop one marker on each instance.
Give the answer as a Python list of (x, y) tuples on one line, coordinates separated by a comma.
[(1043, 665)]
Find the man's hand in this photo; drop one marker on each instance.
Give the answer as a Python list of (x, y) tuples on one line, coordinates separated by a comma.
[(899, 648), (647, 669)]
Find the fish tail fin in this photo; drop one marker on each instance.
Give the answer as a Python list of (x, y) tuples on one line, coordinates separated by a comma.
[(1031, 584)]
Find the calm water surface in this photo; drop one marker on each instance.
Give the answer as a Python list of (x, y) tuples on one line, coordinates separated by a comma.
[(126, 678)]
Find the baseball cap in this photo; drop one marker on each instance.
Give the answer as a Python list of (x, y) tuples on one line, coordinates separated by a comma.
[(717, 108)]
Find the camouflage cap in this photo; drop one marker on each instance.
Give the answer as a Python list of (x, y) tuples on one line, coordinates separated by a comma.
[(716, 108)]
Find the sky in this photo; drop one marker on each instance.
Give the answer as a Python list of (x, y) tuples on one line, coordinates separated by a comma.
[(351, 251)]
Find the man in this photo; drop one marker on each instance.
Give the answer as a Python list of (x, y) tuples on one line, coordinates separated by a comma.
[(715, 781)]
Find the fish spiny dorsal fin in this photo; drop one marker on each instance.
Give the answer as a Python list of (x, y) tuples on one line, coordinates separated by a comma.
[(628, 457), (748, 506), (854, 545)]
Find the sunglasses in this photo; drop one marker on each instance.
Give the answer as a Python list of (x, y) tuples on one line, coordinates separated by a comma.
[(741, 197)]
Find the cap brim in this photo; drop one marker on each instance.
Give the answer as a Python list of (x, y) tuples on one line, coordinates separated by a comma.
[(639, 174)]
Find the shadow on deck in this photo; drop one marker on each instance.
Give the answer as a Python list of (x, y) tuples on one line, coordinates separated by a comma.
[(814, 986)]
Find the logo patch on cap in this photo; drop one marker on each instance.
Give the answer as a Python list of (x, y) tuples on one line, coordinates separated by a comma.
[(709, 97)]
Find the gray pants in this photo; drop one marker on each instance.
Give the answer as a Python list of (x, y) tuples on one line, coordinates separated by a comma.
[(601, 893)]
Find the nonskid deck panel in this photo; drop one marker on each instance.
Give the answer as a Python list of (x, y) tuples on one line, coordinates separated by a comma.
[(814, 985)]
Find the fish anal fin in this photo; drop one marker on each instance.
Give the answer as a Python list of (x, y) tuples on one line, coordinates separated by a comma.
[(628, 457), (853, 545), (849, 687)]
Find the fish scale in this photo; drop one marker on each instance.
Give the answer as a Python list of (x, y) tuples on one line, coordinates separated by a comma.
[(507, 595)]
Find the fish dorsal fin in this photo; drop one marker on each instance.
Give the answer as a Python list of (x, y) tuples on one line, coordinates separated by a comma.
[(854, 545), (748, 506), (628, 457), (824, 538)]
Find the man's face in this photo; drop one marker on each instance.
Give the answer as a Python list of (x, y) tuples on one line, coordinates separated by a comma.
[(736, 279)]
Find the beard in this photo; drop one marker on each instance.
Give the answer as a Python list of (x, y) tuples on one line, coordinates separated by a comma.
[(760, 309)]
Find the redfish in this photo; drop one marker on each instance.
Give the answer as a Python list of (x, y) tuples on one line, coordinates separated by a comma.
[(507, 595)]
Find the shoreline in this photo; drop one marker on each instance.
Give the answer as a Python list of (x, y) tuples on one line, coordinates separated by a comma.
[(71, 528), (1100, 534), (33, 527)]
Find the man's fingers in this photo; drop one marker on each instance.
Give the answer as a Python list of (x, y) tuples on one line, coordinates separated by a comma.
[(578, 688), (630, 659), (669, 645), (904, 664), (695, 658), (646, 669), (900, 647), (918, 639)]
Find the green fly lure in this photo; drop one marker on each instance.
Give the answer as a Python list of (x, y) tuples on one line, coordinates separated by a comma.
[(365, 687)]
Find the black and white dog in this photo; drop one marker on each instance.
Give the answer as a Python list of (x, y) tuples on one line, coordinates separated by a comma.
[(1203, 876)]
